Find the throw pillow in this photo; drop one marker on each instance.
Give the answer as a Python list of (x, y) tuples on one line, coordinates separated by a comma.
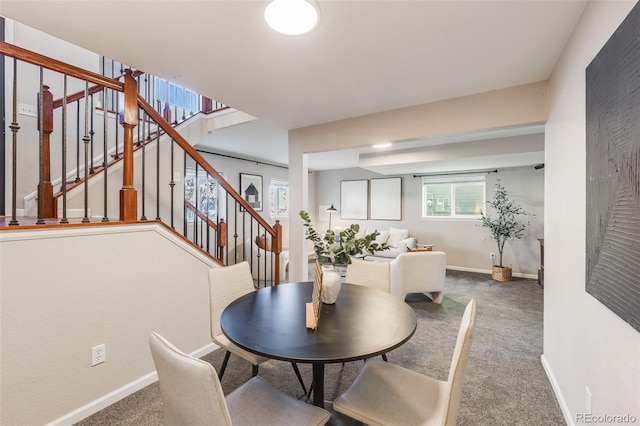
[(383, 237), (264, 243), (396, 235)]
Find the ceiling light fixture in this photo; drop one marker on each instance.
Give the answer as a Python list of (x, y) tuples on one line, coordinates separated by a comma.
[(291, 17), (381, 145)]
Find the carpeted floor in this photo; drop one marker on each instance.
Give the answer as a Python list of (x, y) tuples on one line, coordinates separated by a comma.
[(505, 383)]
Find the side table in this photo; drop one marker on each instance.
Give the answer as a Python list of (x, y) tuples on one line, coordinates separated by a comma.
[(423, 247)]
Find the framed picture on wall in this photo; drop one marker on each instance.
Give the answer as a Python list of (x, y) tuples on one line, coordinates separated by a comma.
[(251, 190), (279, 198), (202, 192), (354, 199), (386, 199)]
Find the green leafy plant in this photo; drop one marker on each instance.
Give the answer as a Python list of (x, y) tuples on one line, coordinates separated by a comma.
[(505, 225), (339, 249)]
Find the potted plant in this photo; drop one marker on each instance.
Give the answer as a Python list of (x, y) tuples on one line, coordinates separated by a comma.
[(503, 227), (338, 249), (333, 249)]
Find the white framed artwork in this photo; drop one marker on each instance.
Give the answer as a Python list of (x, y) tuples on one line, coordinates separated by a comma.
[(386, 198), (354, 195)]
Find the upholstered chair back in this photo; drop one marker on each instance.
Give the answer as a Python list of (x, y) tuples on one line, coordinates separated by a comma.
[(371, 274), (226, 284), (418, 272), (190, 389), (459, 361)]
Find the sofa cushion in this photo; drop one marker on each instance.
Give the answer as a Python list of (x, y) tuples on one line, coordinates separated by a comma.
[(391, 253), (382, 237), (396, 235), (362, 232)]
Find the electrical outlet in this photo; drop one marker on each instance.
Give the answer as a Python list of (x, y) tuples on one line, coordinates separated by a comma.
[(98, 354), (587, 400), (29, 110), (492, 256)]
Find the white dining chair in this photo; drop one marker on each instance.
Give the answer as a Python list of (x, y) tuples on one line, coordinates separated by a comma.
[(192, 395), (372, 274), (226, 284), (388, 394)]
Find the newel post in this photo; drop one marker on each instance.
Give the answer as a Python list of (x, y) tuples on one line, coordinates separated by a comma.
[(129, 120), (276, 247), (45, 126), (222, 239)]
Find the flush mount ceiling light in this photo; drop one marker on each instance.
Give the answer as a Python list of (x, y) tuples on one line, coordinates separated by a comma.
[(291, 17)]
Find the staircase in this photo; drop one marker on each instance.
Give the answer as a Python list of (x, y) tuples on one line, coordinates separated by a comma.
[(103, 150)]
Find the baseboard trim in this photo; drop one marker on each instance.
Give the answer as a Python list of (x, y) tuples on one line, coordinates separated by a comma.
[(488, 271), (568, 418), (118, 394)]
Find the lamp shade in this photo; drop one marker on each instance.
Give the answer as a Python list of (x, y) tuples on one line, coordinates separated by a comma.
[(291, 17), (332, 209)]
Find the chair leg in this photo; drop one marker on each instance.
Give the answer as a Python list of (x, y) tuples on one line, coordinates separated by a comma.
[(297, 371), (436, 297), (310, 390), (384, 358), (224, 365), (254, 371)]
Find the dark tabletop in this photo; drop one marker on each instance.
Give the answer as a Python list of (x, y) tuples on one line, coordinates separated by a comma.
[(362, 323)]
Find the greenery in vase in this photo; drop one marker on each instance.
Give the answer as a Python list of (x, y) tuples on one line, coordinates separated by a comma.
[(505, 225), (339, 250)]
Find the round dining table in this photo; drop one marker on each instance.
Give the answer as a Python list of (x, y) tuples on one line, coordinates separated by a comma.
[(363, 323)]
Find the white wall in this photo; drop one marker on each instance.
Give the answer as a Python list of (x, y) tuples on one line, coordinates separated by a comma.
[(585, 344), (467, 245), (63, 291), (231, 169)]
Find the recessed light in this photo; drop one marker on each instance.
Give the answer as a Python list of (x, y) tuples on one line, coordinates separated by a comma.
[(381, 145), (291, 17)]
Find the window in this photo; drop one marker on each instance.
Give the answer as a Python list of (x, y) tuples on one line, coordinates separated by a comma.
[(459, 197), (182, 101), (279, 202), (177, 96)]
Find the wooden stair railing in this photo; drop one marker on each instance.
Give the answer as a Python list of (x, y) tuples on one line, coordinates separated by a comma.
[(275, 232), (241, 219)]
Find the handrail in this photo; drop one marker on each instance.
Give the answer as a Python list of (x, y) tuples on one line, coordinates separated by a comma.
[(91, 91), (53, 64), (201, 215), (199, 229), (180, 140)]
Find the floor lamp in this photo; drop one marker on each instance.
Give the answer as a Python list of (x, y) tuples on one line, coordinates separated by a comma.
[(331, 210)]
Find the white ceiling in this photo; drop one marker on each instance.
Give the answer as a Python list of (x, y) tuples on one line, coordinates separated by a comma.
[(364, 56)]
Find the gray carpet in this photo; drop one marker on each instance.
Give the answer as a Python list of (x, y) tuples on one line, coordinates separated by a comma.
[(505, 383)]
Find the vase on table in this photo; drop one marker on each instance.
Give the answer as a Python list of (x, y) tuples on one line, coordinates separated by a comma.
[(331, 284)]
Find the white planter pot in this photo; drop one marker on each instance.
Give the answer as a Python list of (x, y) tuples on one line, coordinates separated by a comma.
[(331, 284)]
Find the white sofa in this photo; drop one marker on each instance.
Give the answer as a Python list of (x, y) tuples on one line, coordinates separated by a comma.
[(419, 272), (262, 261), (398, 239)]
